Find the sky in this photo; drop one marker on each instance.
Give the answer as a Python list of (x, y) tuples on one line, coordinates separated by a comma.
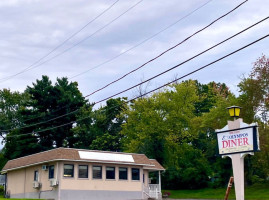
[(98, 41)]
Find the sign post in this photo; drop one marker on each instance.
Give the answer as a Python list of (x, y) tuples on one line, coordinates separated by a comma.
[(236, 140)]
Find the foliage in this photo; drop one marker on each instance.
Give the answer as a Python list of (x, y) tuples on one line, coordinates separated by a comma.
[(157, 124), (254, 98), (176, 125), (101, 129), (45, 102)]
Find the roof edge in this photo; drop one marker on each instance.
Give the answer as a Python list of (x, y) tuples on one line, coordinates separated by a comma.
[(88, 161)]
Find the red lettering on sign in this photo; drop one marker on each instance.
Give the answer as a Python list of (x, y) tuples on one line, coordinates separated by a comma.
[(245, 141), (240, 142), (235, 142), (225, 144)]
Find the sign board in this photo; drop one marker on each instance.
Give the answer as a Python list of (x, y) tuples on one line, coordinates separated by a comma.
[(238, 140)]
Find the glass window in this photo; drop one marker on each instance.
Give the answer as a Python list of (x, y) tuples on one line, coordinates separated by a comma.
[(51, 171), (135, 174), (36, 175), (97, 172), (110, 172), (83, 171), (68, 170), (123, 173)]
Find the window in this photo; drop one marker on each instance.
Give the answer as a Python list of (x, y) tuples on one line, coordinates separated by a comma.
[(36, 175), (51, 171), (83, 171), (68, 170), (97, 172), (123, 173), (110, 172), (135, 174)]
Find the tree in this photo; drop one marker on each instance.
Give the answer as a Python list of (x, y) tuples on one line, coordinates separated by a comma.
[(10, 104), (155, 125), (101, 130), (45, 102), (254, 98)]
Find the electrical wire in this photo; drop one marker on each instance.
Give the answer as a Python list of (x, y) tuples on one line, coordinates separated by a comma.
[(190, 73), (130, 49), (66, 40), (76, 44), (171, 48), (142, 42), (133, 47), (174, 67)]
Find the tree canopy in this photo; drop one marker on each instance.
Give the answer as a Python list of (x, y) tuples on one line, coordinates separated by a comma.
[(175, 125)]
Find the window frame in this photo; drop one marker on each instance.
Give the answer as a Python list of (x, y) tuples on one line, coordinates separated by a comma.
[(49, 174), (114, 170), (133, 174), (121, 179), (36, 175), (72, 175), (101, 169), (87, 171)]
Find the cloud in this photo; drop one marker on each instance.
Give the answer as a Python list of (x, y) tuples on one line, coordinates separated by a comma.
[(31, 29)]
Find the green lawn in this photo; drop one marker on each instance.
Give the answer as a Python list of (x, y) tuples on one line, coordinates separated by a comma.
[(257, 192), (1, 198)]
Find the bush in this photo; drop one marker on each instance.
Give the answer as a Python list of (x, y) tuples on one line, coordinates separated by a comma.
[(1, 190)]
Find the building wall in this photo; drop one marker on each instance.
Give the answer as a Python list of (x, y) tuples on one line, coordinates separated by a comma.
[(103, 184), (20, 184)]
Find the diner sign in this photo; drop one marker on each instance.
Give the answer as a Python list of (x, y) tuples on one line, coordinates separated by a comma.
[(238, 140)]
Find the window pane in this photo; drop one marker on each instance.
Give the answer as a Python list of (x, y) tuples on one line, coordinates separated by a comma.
[(36, 176), (69, 170), (123, 171), (51, 171), (110, 172), (83, 171), (97, 172), (135, 174)]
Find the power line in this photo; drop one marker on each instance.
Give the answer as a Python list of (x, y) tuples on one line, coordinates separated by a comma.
[(152, 36), (171, 48), (176, 66), (129, 50), (182, 62), (142, 42), (57, 47), (68, 49), (192, 72)]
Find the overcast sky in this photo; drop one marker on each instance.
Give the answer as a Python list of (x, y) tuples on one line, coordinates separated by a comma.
[(32, 29)]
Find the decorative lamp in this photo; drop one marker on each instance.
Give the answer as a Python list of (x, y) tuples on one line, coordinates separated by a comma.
[(234, 111)]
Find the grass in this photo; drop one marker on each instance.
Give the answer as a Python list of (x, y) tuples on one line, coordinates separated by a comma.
[(255, 192), (1, 198)]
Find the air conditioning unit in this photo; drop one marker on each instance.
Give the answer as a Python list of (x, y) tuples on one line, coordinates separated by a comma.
[(36, 184), (44, 167), (53, 183)]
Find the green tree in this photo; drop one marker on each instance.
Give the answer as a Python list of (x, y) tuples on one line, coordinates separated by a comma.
[(45, 102), (254, 98), (157, 124), (10, 104), (101, 130)]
